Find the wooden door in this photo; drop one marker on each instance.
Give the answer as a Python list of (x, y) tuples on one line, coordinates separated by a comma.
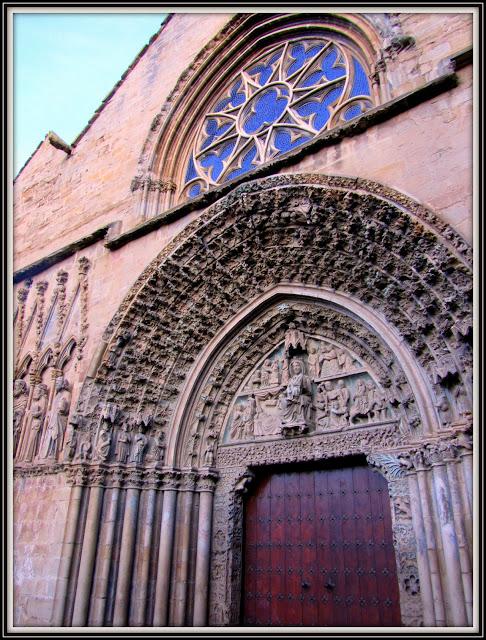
[(318, 550)]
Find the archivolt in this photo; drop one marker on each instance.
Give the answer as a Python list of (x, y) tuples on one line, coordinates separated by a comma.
[(348, 236)]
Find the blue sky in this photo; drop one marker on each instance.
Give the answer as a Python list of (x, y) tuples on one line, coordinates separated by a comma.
[(64, 65)]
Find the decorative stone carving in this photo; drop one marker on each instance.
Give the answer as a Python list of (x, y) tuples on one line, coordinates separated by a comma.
[(21, 397), (58, 420), (103, 444), (37, 415), (295, 401), (139, 445), (123, 442)]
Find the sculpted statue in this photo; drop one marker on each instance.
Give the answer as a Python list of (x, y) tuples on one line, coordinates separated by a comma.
[(37, 415), (275, 374), (159, 448), (57, 424), (123, 444), (21, 397), (239, 423), (284, 367), (103, 444), (294, 338), (444, 409), (333, 403), (379, 405), (140, 442), (313, 362), (361, 402), (70, 441), (345, 361), (295, 401), (266, 373), (329, 361), (462, 404)]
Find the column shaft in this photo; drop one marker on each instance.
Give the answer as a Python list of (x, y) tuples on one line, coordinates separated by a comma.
[(105, 549), (161, 606), (67, 551), (127, 550), (431, 550), (203, 550), (88, 555), (182, 565), (141, 576)]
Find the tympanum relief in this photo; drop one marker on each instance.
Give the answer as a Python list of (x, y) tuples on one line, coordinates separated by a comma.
[(307, 384)]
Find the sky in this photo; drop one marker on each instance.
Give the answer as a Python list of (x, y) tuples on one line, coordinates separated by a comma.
[(64, 65)]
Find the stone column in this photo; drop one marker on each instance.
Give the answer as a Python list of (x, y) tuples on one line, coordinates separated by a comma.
[(161, 605), (424, 492), (144, 546), (127, 551), (452, 567), (67, 551), (183, 541), (465, 478), (426, 590), (451, 464), (205, 487), (105, 549), (88, 555)]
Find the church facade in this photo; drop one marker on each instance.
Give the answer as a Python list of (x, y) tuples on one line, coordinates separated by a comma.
[(242, 389)]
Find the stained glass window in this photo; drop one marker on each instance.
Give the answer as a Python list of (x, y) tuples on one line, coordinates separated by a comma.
[(281, 100)]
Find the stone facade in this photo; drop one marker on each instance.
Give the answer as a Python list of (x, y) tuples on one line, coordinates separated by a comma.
[(318, 306)]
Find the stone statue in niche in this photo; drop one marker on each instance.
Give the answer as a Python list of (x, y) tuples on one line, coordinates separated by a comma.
[(159, 446), (123, 442), (294, 339), (37, 416), (139, 444), (295, 401), (70, 441), (58, 420), (462, 404), (444, 409), (104, 443), (21, 397), (85, 450)]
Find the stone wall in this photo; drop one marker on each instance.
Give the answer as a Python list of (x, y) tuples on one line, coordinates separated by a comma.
[(40, 505)]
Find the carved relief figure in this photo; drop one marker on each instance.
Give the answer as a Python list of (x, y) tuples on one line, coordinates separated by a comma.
[(444, 409), (339, 413), (21, 396), (104, 443), (70, 441), (238, 426), (329, 361), (159, 447), (295, 401), (284, 368), (249, 415), (58, 420), (37, 415), (345, 361), (140, 442), (313, 362), (123, 444), (266, 373), (275, 373), (360, 407), (379, 404)]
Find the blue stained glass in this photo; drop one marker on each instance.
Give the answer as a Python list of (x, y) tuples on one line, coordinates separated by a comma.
[(330, 71), (266, 110), (214, 161), (284, 142), (264, 70), (191, 170), (246, 165), (195, 190), (236, 98), (361, 86), (214, 131), (319, 107), (352, 112), (300, 55)]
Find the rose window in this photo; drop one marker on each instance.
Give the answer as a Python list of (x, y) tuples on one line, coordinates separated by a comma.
[(281, 100)]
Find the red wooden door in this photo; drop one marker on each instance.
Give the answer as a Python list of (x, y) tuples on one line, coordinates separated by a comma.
[(318, 550)]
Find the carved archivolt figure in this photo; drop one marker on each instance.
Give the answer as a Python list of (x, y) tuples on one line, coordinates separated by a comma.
[(37, 415), (123, 444), (58, 420), (295, 402), (21, 397), (444, 409)]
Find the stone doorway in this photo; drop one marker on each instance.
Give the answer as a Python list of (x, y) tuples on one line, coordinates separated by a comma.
[(318, 549)]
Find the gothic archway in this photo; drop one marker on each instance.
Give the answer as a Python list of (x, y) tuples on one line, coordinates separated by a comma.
[(353, 265)]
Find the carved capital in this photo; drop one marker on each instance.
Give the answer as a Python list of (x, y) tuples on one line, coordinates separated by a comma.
[(171, 480), (391, 466), (207, 482)]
